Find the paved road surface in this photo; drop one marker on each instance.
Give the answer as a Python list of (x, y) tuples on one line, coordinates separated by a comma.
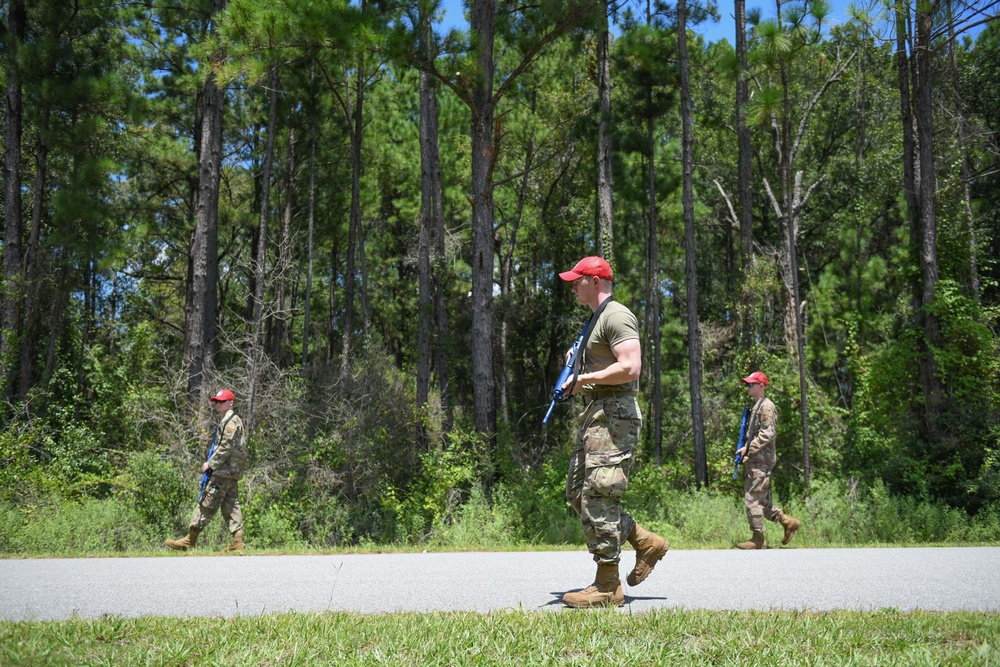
[(807, 579)]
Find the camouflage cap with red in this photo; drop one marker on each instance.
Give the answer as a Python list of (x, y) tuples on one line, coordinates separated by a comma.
[(588, 266), (756, 376), (222, 396)]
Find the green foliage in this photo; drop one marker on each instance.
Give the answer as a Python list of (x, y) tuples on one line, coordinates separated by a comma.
[(75, 528), (273, 526), (155, 489)]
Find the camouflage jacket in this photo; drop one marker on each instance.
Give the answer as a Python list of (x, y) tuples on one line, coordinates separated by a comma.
[(229, 459), (761, 432)]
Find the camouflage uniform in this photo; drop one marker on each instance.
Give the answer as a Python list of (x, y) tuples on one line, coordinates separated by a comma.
[(759, 461), (227, 463), (608, 432)]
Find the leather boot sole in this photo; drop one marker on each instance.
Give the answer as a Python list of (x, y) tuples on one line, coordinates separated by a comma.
[(644, 565)]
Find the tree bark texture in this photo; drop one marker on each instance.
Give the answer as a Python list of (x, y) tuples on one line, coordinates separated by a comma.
[(429, 202), (928, 216), (201, 320), (483, 161), (13, 223)]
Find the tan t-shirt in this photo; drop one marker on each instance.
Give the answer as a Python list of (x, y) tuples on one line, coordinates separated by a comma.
[(616, 325)]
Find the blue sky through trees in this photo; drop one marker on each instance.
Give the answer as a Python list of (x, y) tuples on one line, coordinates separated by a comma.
[(712, 31)]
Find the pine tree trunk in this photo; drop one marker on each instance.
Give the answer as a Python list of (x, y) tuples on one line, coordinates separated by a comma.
[(355, 120), (201, 320), (13, 223), (928, 216), (909, 173), (744, 173), (655, 301), (605, 216), (506, 273), (963, 145), (256, 357), (307, 308), (425, 298), (31, 259), (483, 160), (285, 252), (690, 265)]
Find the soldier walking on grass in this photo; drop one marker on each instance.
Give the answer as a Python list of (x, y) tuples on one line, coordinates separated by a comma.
[(759, 458), (609, 362), (224, 468)]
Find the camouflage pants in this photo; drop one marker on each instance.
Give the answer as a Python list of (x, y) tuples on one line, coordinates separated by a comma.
[(219, 492), (757, 496), (598, 473)]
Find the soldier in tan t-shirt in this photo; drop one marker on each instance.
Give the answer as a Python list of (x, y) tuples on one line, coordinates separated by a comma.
[(608, 432), (224, 468), (759, 457)]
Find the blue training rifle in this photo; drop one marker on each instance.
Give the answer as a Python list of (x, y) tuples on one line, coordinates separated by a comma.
[(567, 373), (739, 445), (208, 473)]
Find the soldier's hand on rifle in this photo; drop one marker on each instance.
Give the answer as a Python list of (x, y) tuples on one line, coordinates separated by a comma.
[(204, 467), (741, 452)]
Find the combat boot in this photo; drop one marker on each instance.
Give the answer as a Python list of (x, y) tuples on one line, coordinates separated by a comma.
[(237, 544), (790, 524), (185, 542), (756, 542), (605, 591), (649, 549)]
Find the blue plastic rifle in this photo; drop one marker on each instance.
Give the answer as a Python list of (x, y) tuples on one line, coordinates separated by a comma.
[(208, 473), (558, 395), (739, 445)]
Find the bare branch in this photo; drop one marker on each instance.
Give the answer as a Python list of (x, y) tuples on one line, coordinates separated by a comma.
[(774, 201), (729, 204)]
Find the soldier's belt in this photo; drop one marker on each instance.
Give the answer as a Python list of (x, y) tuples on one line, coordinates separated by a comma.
[(601, 395)]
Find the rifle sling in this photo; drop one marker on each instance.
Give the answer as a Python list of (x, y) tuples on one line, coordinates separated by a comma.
[(220, 427), (582, 349)]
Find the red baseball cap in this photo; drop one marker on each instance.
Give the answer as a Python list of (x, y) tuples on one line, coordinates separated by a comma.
[(223, 395), (756, 376), (588, 266)]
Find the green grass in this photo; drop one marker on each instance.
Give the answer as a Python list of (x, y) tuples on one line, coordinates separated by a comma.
[(835, 514), (597, 637)]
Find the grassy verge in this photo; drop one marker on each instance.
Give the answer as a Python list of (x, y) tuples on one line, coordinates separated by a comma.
[(601, 637), (835, 514)]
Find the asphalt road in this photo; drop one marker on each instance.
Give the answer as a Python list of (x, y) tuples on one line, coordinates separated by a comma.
[(804, 579)]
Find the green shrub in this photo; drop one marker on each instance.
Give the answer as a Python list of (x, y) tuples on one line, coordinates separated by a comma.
[(273, 528), (157, 490), (73, 528)]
